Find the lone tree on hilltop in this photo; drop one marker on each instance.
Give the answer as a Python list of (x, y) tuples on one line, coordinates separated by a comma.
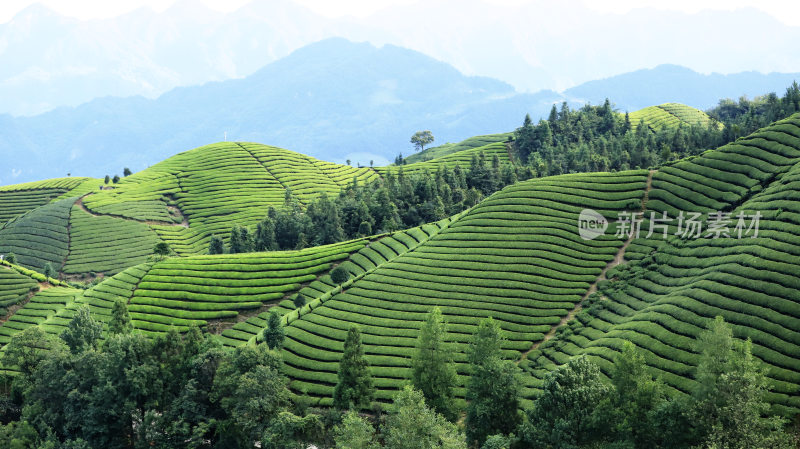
[(421, 138), (126, 172)]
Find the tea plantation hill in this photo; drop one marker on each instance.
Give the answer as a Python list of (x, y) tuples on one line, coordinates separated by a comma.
[(667, 115), (79, 226), (516, 256)]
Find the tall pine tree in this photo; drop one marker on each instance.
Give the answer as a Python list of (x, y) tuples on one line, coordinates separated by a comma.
[(354, 388), (432, 369)]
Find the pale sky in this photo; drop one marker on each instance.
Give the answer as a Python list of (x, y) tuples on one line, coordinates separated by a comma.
[(787, 11)]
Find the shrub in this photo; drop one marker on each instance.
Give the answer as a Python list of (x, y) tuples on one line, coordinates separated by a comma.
[(339, 275)]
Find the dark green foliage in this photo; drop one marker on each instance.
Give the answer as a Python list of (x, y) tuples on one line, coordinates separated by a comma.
[(115, 179), (299, 300), (493, 389), (354, 388), (27, 350), (339, 275), (420, 139), (11, 258), (562, 416), (730, 407), (216, 245), (83, 332), (273, 335), (414, 425), (265, 235), (432, 369), (49, 272), (120, 322), (107, 179), (126, 172), (355, 432), (161, 250), (635, 406), (365, 229)]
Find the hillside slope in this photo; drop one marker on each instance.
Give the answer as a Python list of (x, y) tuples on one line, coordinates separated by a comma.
[(663, 301), (182, 201)]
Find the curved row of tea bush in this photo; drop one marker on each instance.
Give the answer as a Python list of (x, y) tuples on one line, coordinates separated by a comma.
[(665, 300), (40, 236), (192, 290), (517, 257)]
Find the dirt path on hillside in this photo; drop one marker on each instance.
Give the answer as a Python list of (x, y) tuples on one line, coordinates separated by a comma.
[(184, 223), (619, 258)]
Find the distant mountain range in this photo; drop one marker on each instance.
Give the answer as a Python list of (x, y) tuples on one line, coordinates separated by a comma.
[(48, 60), (335, 100)]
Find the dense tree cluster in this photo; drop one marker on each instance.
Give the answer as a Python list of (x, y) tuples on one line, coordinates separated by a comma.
[(745, 116), (596, 138), (398, 201), (186, 391)]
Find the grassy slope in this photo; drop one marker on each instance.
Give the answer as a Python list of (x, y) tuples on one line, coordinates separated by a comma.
[(662, 301), (462, 159), (183, 201), (449, 148), (669, 115)]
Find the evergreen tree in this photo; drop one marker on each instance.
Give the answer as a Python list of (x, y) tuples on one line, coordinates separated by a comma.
[(265, 236), (83, 332), (562, 416), (126, 172), (107, 179), (365, 229), (161, 250), (216, 245), (630, 412), (413, 425), (730, 403), (354, 388), (274, 334), (116, 179), (493, 387), (299, 300), (432, 369), (339, 275), (49, 272), (236, 246), (120, 322)]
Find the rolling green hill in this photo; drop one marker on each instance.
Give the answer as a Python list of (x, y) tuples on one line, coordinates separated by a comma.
[(669, 115), (80, 227), (517, 256), (449, 148), (462, 158)]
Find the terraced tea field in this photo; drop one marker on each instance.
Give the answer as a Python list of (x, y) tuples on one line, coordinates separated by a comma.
[(516, 257), (182, 201), (462, 158), (450, 148), (669, 115), (664, 301)]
